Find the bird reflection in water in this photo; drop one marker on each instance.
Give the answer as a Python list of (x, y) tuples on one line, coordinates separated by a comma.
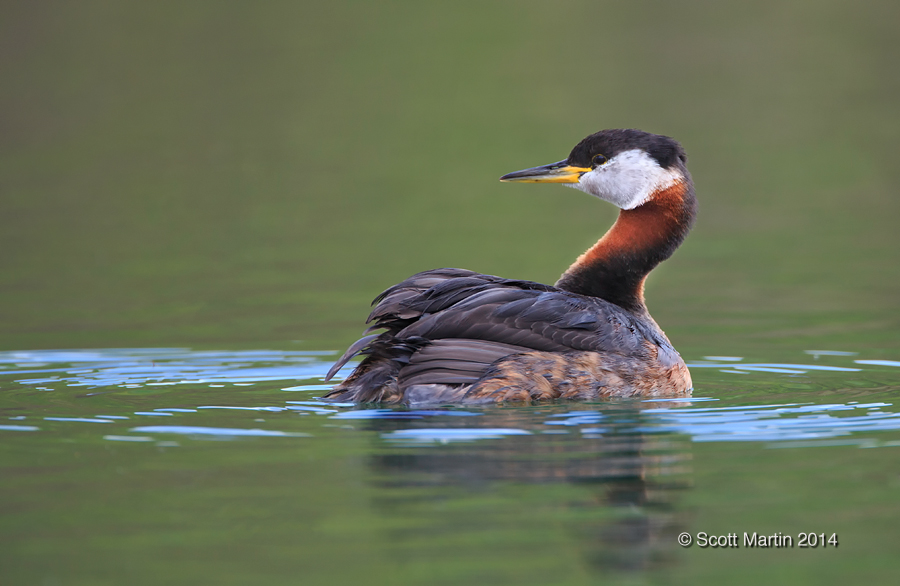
[(611, 486)]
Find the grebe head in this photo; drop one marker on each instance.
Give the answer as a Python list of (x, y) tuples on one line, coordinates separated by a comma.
[(623, 167)]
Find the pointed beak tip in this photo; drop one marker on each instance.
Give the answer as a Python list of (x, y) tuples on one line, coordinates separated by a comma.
[(556, 173)]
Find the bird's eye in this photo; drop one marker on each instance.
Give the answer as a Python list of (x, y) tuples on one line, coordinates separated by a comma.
[(598, 160)]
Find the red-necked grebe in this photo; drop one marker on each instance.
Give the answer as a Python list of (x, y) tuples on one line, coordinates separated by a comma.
[(453, 335)]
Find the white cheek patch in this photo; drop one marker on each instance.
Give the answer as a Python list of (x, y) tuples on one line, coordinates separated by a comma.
[(628, 180)]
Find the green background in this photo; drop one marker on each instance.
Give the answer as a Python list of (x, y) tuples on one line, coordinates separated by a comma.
[(210, 173)]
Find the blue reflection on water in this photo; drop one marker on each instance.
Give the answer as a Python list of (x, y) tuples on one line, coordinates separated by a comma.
[(773, 422), (791, 424), (161, 366), (19, 428), (879, 362), (217, 431), (77, 419), (772, 366), (445, 435), (399, 414)]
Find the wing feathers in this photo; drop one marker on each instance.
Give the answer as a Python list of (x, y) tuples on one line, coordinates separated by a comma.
[(447, 326), (454, 361), (352, 351)]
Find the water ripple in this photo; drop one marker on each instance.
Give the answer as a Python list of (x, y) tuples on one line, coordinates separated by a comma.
[(443, 435), (164, 369), (161, 366), (216, 431)]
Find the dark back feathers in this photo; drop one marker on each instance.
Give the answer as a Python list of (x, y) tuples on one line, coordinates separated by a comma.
[(448, 325)]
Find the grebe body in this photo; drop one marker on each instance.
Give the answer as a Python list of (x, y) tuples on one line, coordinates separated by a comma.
[(453, 335)]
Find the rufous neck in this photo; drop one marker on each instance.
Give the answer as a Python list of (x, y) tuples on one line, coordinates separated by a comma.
[(617, 265)]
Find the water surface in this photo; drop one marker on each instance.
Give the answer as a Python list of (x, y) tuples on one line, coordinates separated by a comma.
[(177, 461)]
